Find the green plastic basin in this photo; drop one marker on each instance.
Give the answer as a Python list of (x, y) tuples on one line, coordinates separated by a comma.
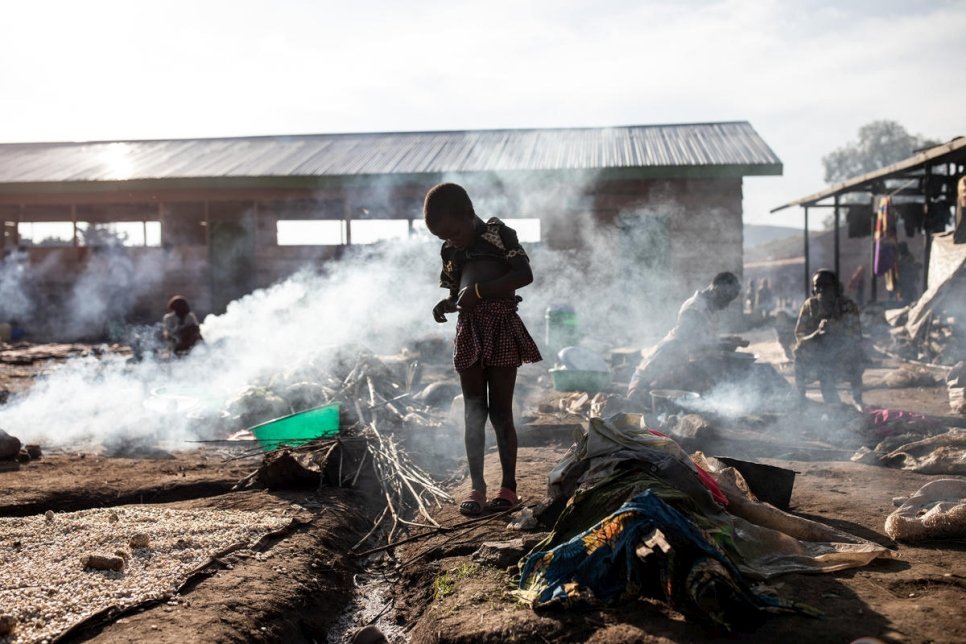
[(579, 380), (298, 428)]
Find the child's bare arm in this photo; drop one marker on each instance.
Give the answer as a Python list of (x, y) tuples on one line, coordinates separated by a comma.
[(442, 307), (517, 277)]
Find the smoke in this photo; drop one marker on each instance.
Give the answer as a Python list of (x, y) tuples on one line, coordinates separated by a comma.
[(378, 297), (375, 298), (107, 291), (52, 302), (15, 303)]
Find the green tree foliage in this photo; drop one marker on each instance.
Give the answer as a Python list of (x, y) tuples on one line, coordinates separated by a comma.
[(880, 143)]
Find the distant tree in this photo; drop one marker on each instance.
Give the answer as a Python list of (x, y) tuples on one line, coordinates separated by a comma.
[(101, 235), (880, 143)]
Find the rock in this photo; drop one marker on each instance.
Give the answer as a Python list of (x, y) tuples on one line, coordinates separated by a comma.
[(9, 446), (438, 394), (908, 377), (500, 554), (690, 430), (34, 452), (283, 471), (23, 456), (368, 635), (103, 562), (140, 540), (49, 515)]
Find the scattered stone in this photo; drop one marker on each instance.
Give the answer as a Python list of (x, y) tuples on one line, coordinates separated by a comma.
[(140, 540), (908, 377), (690, 430), (49, 516), (34, 451), (500, 554), (103, 562), (9, 446), (113, 518), (123, 554), (368, 635), (282, 470), (438, 394)]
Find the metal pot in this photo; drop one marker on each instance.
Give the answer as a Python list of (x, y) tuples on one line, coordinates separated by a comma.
[(671, 401)]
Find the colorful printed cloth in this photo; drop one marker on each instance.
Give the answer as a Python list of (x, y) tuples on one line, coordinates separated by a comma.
[(494, 335), (647, 548)]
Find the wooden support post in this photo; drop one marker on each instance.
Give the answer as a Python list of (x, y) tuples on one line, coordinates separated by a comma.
[(347, 219), (838, 273), (926, 233), (873, 285), (808, 277)]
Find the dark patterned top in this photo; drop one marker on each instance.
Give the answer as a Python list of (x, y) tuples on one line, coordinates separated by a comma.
[(843, 319), (494, 240)]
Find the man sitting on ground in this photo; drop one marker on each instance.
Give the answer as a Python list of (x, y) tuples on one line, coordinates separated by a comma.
[(829, 336), (689, 357)]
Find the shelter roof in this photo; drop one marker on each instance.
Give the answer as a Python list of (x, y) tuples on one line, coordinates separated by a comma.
[(728, 149), (952, 152)]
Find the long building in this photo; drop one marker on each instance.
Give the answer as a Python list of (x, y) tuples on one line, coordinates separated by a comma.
[(216, 218)]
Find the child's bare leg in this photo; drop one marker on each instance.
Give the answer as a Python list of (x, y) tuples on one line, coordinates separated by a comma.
[(473, 385), (501, 381)]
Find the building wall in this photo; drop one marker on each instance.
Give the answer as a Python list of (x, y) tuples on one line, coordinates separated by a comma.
[(218, 245)]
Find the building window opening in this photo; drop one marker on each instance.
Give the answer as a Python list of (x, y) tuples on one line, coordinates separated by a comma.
[(46, 233), (119, 233), (314, 232), (371, 231)]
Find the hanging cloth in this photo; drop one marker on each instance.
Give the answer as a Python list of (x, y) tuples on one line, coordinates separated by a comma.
[(858, 219), (886, 244)]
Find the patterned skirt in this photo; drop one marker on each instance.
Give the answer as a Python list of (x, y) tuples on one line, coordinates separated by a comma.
[(493, 335)]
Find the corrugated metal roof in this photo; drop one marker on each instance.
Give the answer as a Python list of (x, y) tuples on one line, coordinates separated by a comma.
[(953, 151), (318, 155)]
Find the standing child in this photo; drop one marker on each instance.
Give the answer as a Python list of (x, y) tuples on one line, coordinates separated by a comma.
[(483, 265)]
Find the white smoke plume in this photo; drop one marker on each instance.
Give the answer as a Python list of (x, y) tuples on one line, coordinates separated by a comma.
[(377, 297)]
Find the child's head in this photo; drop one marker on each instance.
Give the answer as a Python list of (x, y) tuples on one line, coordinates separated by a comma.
[(448, 213), (179, 306)]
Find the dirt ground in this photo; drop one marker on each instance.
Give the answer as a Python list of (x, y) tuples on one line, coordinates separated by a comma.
[(303, 586)]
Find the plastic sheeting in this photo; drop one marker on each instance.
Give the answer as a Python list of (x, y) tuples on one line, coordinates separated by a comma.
[(618, 456)]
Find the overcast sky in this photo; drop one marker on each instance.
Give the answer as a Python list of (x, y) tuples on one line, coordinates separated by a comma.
[(806, 75)]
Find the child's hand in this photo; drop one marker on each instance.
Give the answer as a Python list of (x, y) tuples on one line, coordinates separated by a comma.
[(467, 299), (442, 307)]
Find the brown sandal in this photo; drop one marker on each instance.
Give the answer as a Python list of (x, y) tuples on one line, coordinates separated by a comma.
[(504, 500), (473, 504)]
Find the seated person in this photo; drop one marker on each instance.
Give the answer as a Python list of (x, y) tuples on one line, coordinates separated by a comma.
[(180, 329), (828, 340), (689, 356)]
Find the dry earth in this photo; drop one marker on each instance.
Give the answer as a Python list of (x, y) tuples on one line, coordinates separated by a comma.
[(298, 586)]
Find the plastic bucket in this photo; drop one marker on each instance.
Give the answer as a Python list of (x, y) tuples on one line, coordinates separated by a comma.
[(769, 483), (561, 327), (299, 428)]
